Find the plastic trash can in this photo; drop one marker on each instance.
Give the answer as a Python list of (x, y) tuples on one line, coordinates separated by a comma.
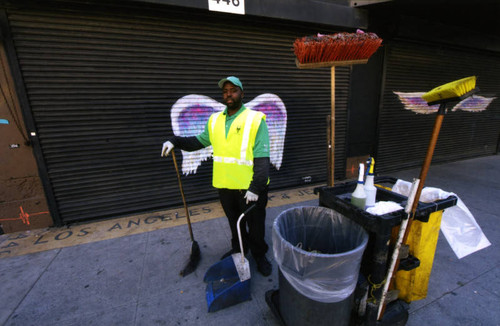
[(319, 252)]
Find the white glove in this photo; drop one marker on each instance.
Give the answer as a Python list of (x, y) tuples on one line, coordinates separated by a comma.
[(167, 147), (250, 196)]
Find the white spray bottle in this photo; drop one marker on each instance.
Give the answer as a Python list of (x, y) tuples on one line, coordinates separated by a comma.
[(370, 189), (358, 197)]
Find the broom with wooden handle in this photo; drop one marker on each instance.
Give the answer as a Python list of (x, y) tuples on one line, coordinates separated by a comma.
[(450, 92), (195, 256), (339, 49)]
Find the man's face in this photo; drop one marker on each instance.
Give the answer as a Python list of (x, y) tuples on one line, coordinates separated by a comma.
[(232, 96)]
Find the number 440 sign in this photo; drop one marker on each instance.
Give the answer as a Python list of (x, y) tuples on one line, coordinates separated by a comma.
[(230, 6)]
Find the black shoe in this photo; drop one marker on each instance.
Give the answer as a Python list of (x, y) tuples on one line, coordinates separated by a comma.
[(264, 266)]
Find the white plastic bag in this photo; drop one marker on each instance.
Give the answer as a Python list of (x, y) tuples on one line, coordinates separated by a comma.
[(458, 225)]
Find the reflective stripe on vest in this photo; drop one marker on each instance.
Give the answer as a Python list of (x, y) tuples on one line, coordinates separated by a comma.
[(233, 156)]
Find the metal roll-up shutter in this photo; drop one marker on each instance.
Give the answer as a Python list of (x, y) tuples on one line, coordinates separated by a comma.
[(101, 81), (404, 135)]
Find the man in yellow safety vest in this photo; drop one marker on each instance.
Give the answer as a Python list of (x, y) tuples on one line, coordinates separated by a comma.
[(240, 141)]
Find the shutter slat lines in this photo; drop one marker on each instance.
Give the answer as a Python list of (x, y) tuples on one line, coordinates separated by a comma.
[(404, 135), (101, 83)]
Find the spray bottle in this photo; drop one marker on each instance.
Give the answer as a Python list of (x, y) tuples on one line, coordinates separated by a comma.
[(358, 197), (370, 189)]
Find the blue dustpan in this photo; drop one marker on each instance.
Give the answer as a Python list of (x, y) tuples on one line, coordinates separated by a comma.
[(228, 281), (224, 287)]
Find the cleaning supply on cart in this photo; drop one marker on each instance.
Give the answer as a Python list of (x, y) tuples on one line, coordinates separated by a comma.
[(384, 207), (370, 189), (358, 197)]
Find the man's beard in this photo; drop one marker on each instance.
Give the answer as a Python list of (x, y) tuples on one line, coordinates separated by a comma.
[(234, 106)]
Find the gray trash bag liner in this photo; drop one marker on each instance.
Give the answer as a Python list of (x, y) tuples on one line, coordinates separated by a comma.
[(319, 251)]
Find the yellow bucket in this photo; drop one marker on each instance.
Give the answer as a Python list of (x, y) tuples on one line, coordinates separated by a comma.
[(423, 237)]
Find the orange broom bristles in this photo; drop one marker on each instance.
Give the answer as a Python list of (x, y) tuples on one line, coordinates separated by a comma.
[(336, 47)]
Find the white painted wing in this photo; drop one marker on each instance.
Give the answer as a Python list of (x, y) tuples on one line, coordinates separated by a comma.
[(474, 104), (189, 116), (276, 117), (413, 101)]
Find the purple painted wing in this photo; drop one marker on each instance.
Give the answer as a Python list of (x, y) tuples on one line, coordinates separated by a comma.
[(189, 116), (414, 102), (474, 104), (274, 109)]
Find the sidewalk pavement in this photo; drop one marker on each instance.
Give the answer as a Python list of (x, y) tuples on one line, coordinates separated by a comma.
[(134, 280)]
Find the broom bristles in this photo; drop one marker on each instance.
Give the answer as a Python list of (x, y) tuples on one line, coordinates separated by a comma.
[(336, 47), (194, 260)]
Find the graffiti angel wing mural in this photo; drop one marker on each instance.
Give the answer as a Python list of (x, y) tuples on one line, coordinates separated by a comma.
[(415, 103), (190, 114)]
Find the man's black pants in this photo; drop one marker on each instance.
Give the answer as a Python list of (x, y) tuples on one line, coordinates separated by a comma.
[(253, 224)]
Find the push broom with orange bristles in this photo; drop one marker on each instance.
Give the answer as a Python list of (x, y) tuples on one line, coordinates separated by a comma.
[(340, 49), (336, 48)]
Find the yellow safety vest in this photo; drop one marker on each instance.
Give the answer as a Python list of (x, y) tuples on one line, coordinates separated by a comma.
[(233, 155)]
